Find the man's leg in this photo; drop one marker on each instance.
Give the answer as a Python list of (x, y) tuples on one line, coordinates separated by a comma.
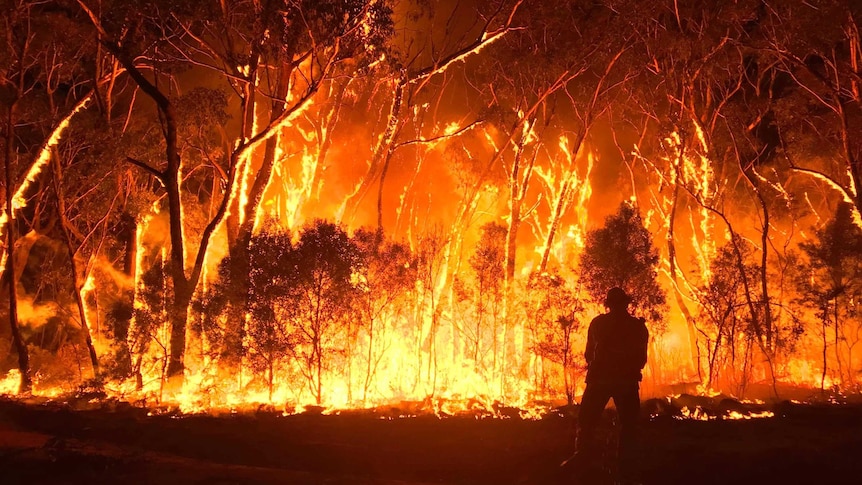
[(595, 398), (627, 402)]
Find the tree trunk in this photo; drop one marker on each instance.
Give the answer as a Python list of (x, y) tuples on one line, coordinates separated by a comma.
[(124, 321), (247, 214), (387, 148), (370, 357), (563, 201), (182, 291), (678, 296), (26, 384), (270, 376), (78, 276), (825, 347), (838, 362), (517, 191)]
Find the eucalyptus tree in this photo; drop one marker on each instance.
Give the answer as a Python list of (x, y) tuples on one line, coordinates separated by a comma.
[(45, 82), (809, 55), (19, 58), (275, 57), (435, 40), (151, 23), (311, 38), (723, 319), (519, 93), (269, 334), (318, 294), (829, 284), (88, 194), (704, 89), (487, 265), (555, 322), (434, 45), (552, 99), (385, 276), (621, 254)]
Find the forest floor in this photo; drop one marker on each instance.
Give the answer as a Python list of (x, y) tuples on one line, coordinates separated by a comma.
[(45, 442)]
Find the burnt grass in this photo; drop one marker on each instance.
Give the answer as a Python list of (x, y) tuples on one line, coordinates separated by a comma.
[(116, 443)]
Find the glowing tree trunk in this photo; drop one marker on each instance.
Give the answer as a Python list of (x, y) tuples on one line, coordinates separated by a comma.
[(233, 351), (562, 203), (694, 352), (79, 275), (518, 184), (247, 215), (387, 148), (410, 82), (17, 339), (123, 319), (567, 190), (15, 78), (15, 195)]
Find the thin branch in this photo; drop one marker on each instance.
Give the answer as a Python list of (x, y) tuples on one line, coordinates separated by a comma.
[(150, 170), (444, 136)]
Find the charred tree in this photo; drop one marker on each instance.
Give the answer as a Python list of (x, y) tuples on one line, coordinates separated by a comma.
[(18, 45), (79, 274), (9, 272), (183, 284)]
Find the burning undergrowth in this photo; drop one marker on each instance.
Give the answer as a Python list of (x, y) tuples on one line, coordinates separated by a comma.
[(714, 407), (341, 235)]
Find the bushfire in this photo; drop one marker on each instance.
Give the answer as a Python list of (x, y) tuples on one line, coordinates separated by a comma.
[(420, 205)]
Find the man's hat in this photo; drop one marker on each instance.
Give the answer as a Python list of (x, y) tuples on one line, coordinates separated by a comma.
[(617, 297)]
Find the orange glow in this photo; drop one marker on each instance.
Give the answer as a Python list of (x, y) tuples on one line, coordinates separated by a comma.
[(438, 348)]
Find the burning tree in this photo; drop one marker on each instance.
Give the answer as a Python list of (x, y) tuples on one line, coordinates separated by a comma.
[(487, 263), (385, 277), (556, 318), (150, 330), (831, 285), (621, 254), (318, 294), (268, 332), (323, 35), (727, 338), (162, 159), (45, 82)]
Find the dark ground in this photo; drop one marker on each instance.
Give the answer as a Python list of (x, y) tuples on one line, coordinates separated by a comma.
[(50, 443)]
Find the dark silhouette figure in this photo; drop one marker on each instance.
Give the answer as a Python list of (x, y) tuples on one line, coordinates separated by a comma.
[(616, 353)]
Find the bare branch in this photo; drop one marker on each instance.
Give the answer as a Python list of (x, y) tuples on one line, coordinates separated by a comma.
[(150, 170)]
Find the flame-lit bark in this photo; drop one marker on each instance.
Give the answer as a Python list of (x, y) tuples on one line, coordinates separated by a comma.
[(411, 81), (518, 185), (183, 287), (675, 277), (247, 210), (567, 190), (386, 148), (26, 382), (313, 68), (79, 275), (19, 38), (42, 161)]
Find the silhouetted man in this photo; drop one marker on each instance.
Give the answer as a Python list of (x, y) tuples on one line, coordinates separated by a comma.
[(616, 353)]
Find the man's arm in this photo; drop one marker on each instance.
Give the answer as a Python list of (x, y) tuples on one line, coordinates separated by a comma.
[(590, 351), (644, 343)]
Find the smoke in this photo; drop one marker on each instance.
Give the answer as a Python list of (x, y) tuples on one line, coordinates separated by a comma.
[(34, 314)]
